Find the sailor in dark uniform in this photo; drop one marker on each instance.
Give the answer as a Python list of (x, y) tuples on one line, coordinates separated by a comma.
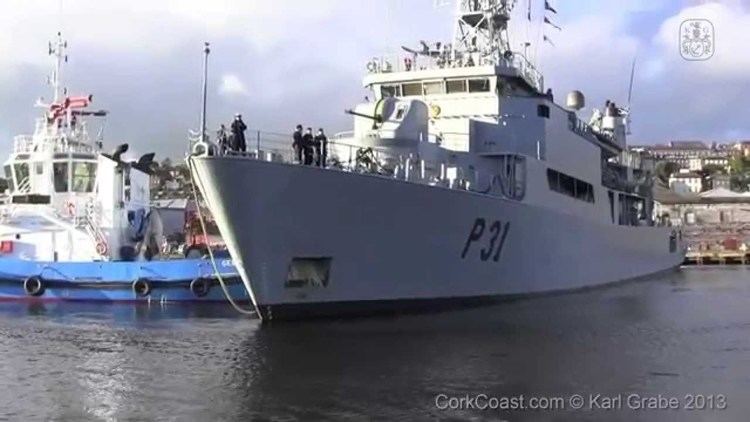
[(307, 146), (238, 134), (321, 148), (297, 143)]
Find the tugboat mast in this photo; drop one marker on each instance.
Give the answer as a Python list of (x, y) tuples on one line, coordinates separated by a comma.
[(58, 50)]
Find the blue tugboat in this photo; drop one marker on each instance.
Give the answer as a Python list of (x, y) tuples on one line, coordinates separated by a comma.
[(77, 223)]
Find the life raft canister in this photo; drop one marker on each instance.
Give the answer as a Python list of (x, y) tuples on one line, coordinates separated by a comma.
[(33, 286), (142, 287), (200, 286)]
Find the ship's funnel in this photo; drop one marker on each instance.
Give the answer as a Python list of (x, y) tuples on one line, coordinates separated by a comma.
[(575, 100)]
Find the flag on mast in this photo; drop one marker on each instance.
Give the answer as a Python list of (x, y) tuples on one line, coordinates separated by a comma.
[(528, 10), (548, 7), (546, 39), (549, 22)]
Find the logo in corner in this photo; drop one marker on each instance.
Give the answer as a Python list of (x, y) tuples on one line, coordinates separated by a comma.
[(697, 39)]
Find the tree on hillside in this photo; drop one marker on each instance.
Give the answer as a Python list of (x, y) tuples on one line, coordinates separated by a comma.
[(710, 169), (739, 164), (664, 169)]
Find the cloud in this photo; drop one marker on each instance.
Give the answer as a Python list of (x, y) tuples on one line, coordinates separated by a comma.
[(282, 63), (232, 85)]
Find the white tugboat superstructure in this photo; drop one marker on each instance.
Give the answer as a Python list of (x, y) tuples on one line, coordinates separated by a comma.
[(68, 201), (463, 181)]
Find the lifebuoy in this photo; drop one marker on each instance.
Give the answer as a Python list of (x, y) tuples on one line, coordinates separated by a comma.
[(372, 66), (142, 287), (101, 248), (200, 286), (34, 286)]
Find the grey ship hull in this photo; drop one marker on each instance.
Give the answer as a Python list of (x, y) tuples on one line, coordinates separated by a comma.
[(394, 245)]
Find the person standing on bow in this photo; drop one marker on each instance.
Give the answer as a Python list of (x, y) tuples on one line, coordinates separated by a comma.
[(307, 146), (238, 134), (222, 139), (321, 148), (297, 143)]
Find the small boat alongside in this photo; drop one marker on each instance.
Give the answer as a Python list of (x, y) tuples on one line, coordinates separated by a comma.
[(77, 223)]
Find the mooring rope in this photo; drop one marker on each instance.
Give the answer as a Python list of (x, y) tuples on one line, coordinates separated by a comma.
[(256, 311)]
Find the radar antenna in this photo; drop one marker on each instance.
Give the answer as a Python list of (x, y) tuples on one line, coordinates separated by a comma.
[(58, 50), (482, 28)]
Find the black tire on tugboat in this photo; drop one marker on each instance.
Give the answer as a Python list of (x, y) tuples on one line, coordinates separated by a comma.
[(200, 286), (196, 252), (34, 286), (142, 287)]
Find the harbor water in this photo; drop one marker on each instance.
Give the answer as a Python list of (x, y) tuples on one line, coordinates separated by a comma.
[(681, 334)]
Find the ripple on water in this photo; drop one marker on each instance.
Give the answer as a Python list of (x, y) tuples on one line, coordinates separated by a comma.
[(682, 332)]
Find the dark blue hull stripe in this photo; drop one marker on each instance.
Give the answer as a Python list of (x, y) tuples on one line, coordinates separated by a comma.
[(114, 285)]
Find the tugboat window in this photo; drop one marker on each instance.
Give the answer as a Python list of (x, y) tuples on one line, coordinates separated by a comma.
[(60, 171), (9, 177), (22, 173), (84, 175), (479, 85), (39, 168)]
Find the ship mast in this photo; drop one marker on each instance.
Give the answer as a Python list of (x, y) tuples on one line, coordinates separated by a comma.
[(206, 52), (58, 50), (482, 28)]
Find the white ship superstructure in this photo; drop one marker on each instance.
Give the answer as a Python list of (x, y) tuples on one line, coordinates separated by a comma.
[(462, 181)]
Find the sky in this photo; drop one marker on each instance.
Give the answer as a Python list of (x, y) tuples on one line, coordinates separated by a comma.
[(285, 62)]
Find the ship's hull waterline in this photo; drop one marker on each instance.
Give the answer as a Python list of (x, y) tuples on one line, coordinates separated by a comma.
[(391, 244)]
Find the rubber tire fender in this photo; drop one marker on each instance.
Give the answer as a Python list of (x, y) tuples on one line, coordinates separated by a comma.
[(200, 286), (34, 286), (142, 287)]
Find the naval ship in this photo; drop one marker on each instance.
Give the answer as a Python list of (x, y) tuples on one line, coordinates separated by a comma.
[(462, 182)]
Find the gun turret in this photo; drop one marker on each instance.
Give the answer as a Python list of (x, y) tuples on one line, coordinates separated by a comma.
[(377, 118)]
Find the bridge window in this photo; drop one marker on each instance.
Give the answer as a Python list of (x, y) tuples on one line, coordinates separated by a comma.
[(412, 89), (570, 186), (60, 171), (390, 91), (84, 175), (455, 86), (479, 85), (432, 88)]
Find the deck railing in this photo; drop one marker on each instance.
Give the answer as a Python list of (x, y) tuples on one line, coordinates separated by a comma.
[(411, 63), (384, 162)]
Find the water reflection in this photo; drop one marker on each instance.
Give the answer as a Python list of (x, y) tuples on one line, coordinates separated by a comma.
[(685, 332)]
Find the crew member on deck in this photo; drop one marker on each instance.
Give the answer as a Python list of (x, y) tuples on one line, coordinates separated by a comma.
[(238, 134), (222, 139), (321, 148), (297, 143), (307, 146)]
